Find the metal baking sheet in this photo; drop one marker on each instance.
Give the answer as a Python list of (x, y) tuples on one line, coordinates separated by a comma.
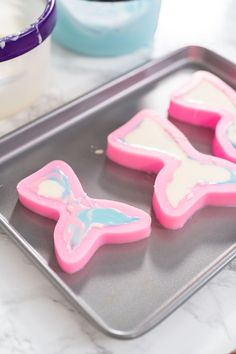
[(125, 289)]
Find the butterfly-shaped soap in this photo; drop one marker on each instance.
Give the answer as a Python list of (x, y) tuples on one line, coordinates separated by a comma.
[(208, 101), (83, 223), (186, 181)]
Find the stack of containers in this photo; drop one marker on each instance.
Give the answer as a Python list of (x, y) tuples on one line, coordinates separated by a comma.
[(90, 27)]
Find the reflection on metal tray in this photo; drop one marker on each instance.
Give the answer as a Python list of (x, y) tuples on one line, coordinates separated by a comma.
[(125, 289)]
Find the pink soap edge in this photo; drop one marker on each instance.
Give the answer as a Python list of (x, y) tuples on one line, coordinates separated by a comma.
[(123, 154), (217, 119), (130, 233)]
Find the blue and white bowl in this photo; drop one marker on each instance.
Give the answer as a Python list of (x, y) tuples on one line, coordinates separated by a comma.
[(106, 28)]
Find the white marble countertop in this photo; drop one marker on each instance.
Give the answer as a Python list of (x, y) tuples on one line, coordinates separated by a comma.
[(34, 317)]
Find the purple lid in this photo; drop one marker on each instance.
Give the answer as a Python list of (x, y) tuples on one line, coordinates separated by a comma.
[(18, 44)]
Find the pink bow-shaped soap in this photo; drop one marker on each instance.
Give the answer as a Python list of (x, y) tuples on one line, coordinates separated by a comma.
[(187, 180), (208, 101), (83, 223)]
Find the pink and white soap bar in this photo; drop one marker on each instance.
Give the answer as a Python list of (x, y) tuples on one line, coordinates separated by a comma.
[(186, 181), (83, 224), (208, 101)]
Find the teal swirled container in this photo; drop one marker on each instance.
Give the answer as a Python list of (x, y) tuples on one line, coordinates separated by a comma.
[(104, 28)]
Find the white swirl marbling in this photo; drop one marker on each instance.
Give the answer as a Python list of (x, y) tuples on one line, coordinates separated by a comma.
[(34, 317)]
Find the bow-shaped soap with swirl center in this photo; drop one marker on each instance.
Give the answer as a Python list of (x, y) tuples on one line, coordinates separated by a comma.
[(83, 223), (187, 179), (208, 101)]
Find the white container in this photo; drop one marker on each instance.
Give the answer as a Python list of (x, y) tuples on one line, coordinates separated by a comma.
[(25, 27)]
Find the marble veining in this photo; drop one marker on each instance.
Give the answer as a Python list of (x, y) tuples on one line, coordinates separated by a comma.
[(34, 317)]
